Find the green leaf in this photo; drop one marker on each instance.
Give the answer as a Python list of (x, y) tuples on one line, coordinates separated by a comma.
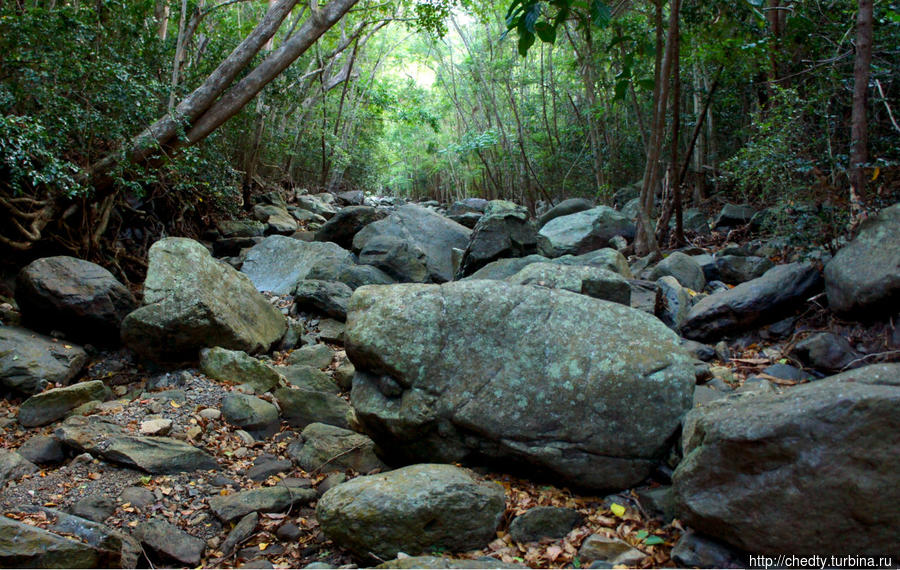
[(646, 83), (561, 16), (526, 40), (600, 13), (145, 480), (642, 534), (653, 540), (546, 32), (621, 89), (531, 15)]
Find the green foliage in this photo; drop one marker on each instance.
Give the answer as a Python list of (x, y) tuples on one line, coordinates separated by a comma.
[(27, 163), (773, 163)]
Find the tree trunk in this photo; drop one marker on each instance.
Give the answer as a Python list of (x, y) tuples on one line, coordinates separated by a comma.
[(858, 126), (645, 240), (207, 108)]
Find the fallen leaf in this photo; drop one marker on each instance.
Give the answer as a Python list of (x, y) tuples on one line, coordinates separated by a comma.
[(553, 553), (617, 509)]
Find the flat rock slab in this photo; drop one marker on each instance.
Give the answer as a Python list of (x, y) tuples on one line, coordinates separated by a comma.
[(824, 454), (414, 509), (29, 361), (279, 262), (116, 444), (587, 390), (47, 407), (26, 546), (591, 281), (264, 500), (169, 540), (780, 291)]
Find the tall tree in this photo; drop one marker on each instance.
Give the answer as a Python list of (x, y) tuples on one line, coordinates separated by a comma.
[(858, 124)]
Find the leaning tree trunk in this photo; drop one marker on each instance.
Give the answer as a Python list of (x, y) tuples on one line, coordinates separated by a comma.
[(210, 105), (858, 126)]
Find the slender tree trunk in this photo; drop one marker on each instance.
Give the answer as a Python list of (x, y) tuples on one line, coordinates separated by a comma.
[(161, 13), (179, 57), (645, 240), (858, 125), (674, 204)]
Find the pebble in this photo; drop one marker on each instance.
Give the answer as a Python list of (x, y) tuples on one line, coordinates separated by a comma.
[(210, 414), (156, 427)]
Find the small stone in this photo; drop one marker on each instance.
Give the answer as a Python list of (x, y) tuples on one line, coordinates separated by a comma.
[(120, 390), (137, 497), (343, 375), (540, 522), (156, 427), (612, 550), (95, 508), (210, 414), (42, 450), (267, 469), (288, 532), (697, 551), (194, 432), (241, 532), (330, 482), (245, 437), (168, 539), (241, 452)]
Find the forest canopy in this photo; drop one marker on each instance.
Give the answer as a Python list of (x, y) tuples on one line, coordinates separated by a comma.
[(522, 100)]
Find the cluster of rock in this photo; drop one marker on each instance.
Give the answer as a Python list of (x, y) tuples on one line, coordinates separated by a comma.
[(482, 336)]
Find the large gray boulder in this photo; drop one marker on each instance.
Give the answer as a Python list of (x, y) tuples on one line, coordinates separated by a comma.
[(564, 208), (591, 281), (51, 405), (75, 296), (193, 301), (416, 509), (526, 375), (29, 361), (682, 267), (583, 231), (341, 228), (413, 244), (780, 291), (809, 471), (505, 230), (279, 262), (863, 278)]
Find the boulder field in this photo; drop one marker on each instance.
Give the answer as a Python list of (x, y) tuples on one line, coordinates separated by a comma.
[(360, 380)]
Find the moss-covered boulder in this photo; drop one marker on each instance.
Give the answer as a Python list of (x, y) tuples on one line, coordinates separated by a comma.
[(587, 390)]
